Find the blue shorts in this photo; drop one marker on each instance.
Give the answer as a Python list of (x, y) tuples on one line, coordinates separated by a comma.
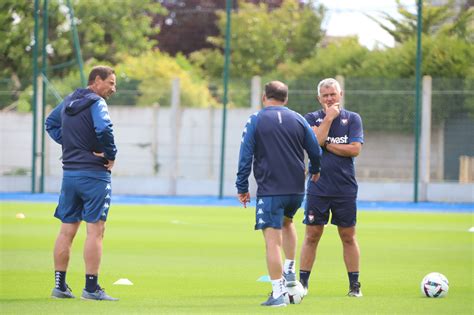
[(271, 209), (343, 210), (85, 196)]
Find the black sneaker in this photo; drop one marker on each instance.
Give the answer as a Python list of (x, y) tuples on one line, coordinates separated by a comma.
[(354, 290)]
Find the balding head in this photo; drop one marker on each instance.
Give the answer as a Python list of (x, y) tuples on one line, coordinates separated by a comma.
[(277, 91)]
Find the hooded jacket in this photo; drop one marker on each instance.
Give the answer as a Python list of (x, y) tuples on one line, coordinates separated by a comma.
[(81, 124)]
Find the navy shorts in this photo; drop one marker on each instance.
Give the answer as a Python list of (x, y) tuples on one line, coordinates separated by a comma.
[(85, 196), (343, 210), (270, 210)]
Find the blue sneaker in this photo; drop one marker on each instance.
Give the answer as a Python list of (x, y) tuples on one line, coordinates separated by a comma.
[(66, 294), (98, 295), (272, 302), (290, 279)]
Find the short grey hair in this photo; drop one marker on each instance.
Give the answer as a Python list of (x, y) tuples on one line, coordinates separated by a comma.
[(328, 82)]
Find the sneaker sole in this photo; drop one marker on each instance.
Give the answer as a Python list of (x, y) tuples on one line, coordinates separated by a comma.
[(277, 305), (87, 299), (355, 295), (61, 298)]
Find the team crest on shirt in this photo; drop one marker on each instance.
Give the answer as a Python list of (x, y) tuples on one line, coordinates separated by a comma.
[(344, 121)]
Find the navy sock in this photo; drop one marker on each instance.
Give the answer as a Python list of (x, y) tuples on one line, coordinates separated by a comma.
[(60, 280), (353, 277), (304, 277), (91, 283)]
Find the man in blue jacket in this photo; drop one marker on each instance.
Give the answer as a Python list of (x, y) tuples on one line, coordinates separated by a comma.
[(340, 133), (275, 139), (82, 126)]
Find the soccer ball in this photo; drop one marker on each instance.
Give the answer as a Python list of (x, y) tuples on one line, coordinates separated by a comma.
[(295, 294), (434, 285)]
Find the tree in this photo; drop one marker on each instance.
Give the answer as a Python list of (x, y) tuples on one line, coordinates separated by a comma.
[(107, 31), (189, 23), (441, 19), (262, 38), (153, 73), (15, 32)]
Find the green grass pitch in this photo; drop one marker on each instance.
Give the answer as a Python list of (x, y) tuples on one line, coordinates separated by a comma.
[(206, 260)]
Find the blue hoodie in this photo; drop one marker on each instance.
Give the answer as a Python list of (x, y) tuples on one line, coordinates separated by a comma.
[(81, 124)]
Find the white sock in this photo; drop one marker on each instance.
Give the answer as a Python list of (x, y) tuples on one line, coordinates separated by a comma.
[(278, 287), (289, 266)]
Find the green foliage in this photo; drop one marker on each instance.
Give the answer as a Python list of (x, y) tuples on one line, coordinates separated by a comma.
[(16, 27), (385, 104), (379, 84), (24, 100), (341, 57), (439, 19), (262, 39), (107, 30), (210, 60), (143, 81), (155, 72)]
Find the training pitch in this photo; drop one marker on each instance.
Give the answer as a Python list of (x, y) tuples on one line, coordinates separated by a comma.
[(207, 259)]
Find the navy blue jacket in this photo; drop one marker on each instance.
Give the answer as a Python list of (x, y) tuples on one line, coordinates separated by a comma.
[(275, 139), (338, 172), (81, 124)]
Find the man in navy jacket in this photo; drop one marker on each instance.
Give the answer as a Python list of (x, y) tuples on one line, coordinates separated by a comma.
[(82, 126), (275, 139), (340, 133)]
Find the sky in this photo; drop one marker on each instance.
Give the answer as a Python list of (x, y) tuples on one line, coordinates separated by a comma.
[(347, 17)]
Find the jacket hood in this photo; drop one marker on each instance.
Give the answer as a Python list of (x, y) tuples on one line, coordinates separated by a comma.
[(79, 100)]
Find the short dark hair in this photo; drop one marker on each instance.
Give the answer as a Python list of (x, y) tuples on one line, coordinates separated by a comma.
[(276, 90), (102, 71)]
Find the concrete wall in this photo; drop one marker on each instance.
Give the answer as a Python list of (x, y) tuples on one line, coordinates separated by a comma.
[(165, 151)]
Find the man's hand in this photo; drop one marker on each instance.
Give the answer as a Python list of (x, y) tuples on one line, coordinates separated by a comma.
[(332, 111), (244, 198), (314, 177), (109, 164)]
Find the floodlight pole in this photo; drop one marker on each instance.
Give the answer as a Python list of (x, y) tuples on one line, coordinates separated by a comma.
[(417, 98), (226, 80), (35, 94), (43, 71)]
